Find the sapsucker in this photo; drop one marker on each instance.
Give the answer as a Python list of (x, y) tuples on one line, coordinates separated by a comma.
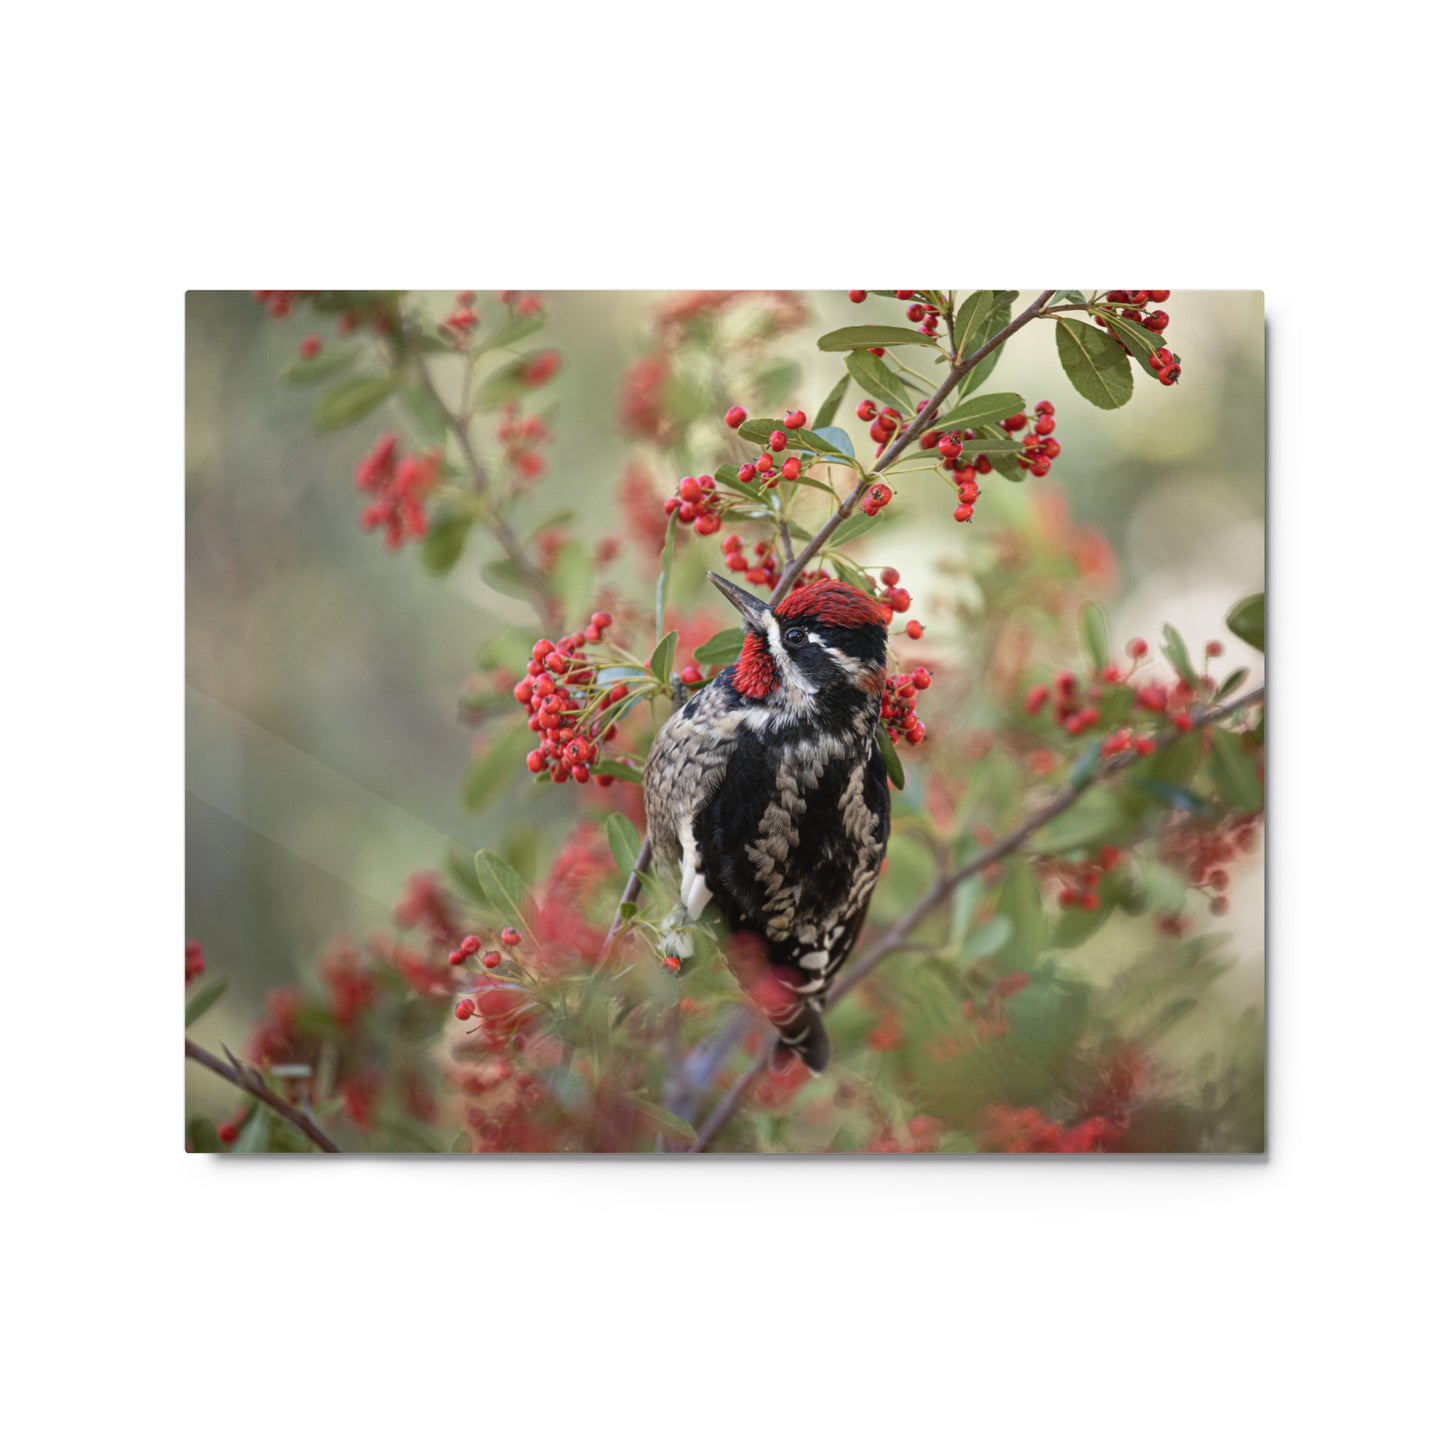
[(769, 792)]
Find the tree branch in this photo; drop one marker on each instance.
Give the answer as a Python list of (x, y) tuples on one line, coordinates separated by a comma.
[(942, 889), (251, 1082), (901, 443)]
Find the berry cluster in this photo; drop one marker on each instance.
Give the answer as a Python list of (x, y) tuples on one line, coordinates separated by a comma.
[(554, 693), (1040, 444), (1133, 306), (900, 707), (698, 504), (1202, 851), (920, 310), (1010, 1130), (521, 436), (1079, 882), (762, 571), (893, 598), (1079, 708), (884, 422), (462, 320), (398, 486)]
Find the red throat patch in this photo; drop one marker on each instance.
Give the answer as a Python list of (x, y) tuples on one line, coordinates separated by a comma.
[(834, 604), (755, 673)]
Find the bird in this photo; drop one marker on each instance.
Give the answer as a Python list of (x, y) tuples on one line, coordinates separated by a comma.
[(768, 794)]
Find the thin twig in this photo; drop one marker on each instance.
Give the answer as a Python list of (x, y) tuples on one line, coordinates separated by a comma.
[(501, 529), (253, 1084), (905, 439), (942, 890)]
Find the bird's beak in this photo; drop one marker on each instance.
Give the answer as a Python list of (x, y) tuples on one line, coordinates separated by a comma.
[(754, 609)]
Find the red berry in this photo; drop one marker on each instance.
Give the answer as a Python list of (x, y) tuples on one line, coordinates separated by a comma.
[(310, 347), (671, 963), (1045, 408), (455, 957), (963, 512), (889, 577), (923, 679), (1183, 721), (511, 937), (856, 296), (901, 599), (867, 410), (764, 462), (689, 490), (793, 421), (1044, 425), (735, 417), (691, 674), (1157, 296), (1156, 322), (465, 1009), (228, 1132), (1213, 649), (778, 440), (792, 469), (904, 295), (1015, 423), (915, 312), (491, 958), (747, 472), (914, 629), (471, 944), (1143, 746)]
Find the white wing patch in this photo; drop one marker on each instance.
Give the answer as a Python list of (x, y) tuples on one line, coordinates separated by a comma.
[(696, 895)]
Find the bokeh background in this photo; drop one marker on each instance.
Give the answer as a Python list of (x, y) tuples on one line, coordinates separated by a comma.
[(325, 750)]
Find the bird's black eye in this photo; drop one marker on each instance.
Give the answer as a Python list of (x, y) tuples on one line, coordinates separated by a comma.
[(795, 637)]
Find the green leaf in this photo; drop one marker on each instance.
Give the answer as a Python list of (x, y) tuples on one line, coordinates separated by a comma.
[(878, 381), (504, 887), (512, 330), (979, 410), (1231, 683), (506, 577), (660, 663), (623, 840), (1142, 342), (495, 768), (891, 760), (1235, 773), (616, 768), (831, 403), (428, 415), (667, 1123), (201, 1135), (1094, 363), (351, 401), (255, 1135), (664, 576), (850, 338), (1018, 901), (850, 528), (445, 541), (1246, 620), (504, 384), (1092, 820), (720, 649), (323, 367), (1094, 631), (999, 317), (971, 323), (1177, 654), (727, 476), (839, 443), (1075, 925), (987, 938), (758, 429), (200, 1001)]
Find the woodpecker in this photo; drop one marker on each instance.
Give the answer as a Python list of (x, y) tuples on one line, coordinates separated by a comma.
[(768, 792)]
